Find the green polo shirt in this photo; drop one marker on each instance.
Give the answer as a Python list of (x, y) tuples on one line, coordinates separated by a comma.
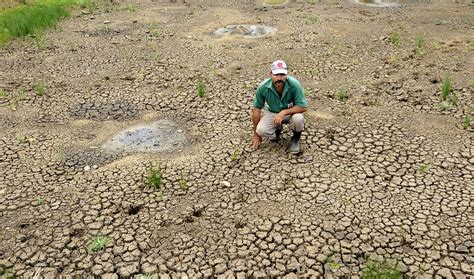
[(293, 95)]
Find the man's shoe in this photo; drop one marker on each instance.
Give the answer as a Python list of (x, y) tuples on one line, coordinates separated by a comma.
[(295, 143), (277, 135)]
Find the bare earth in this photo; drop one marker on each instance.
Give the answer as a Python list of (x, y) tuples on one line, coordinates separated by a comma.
[(386, 175)]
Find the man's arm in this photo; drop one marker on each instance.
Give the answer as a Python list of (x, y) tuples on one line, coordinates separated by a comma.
[(255, 120), (281, 115)]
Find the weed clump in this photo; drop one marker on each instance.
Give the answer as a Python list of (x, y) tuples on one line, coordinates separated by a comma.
[(183, 182), (342, 94), (377, 270), (98, 243), (201, 89), (154, 177), (448, 98), (394, 38), (466, 121), (40, 88), (419, 45)]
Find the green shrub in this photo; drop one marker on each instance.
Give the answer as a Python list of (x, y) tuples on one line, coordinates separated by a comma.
[(40, 88), (154, 176), (466, 121)]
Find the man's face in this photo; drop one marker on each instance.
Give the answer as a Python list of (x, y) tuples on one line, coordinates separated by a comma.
[(278, 81)]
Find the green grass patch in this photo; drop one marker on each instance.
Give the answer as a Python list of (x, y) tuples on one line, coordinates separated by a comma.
[(40, 88), (201, 89), (466, 121), (183, 182), (446, 88), (378, 270), (394, 38), (98, 243), (154, 176), (342, 94), (419, 45), (31, 19)]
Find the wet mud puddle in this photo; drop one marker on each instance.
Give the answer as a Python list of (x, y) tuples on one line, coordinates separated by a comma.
[(246, 31), (159, 136)]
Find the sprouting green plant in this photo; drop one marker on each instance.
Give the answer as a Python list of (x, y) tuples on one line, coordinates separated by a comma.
[(157, 56), (161, 195), (155, 33), (445, 105), (40, 88), (154, 176), (423, 168), (129, 8), (446, 88), (21, 139), (419, 45), (192, 12), (89, 4), (21, 94), (98, 243), (422, 268), (333, 264), (314, 72), (39, 200), (201, 89), (377, 270), (312, 19), (394, 38), (466, 121), (182, 182), (443, 22), (3, 93), (235, 155), (347, 201), (342, 94)]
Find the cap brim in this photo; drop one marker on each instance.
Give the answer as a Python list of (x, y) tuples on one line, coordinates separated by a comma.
[(280, 71)]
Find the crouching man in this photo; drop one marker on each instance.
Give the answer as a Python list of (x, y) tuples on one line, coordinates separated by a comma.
[(284, 102)]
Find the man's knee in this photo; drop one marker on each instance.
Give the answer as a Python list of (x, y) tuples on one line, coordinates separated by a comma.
[(260, 130), (298, 122)]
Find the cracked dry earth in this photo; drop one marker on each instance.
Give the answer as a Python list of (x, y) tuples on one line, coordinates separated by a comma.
[(384, 176)]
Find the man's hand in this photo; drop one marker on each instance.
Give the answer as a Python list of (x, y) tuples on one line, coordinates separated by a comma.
[(256, 141), (278, 119)]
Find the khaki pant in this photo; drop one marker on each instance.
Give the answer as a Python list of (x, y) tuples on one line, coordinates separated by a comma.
[(266, 128)]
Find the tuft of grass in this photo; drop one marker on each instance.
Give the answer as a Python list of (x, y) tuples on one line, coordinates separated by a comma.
[(21, 94), (446, 88), (31, 19), (201, 89), (312, 19), (443, 22), (157, 56), (419, 45), (154, 177), (394, 38), (3, 93), (129, 8), (235, 155), (86, 4), (466, 121), (182, 182), (423, 168), (342, 94), (314, 72), (39, 200), (40, 88), (98, 243), (377, 270)]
